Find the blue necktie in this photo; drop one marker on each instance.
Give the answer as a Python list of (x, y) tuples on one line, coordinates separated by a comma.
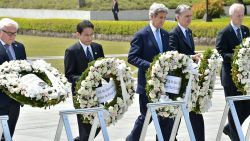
[(7, 48), (239, 35), (158, 40), (89, 56), (188, 38)]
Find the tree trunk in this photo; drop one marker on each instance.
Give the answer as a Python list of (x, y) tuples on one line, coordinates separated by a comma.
[(82, 3), (241, 1)]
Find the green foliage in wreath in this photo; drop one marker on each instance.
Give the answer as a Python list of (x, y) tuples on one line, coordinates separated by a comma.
[(88, 118), (203, 66), (235, 70)]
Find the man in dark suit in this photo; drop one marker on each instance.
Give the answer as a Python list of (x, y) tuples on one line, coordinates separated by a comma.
[(10, 50), (76, 61), (115, 9), (146, 44), (180, 39), (227, 39)]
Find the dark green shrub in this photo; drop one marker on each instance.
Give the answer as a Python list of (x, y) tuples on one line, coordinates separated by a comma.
[(199, 27)]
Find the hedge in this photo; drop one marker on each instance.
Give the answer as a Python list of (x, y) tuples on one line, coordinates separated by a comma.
[(199, 27)]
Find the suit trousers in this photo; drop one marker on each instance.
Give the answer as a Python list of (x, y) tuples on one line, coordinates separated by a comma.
[(84, 129), (115, 15), (197, 125), (166, 124), (12, 111), (242, 108)]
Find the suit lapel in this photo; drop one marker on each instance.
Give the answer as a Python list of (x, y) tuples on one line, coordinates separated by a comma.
[(233, 35), (3, 53), (15, 48), (244, 32), (81, 53), (184, 38), (164, 41), (152, 38), (94, 51), (192, 40)]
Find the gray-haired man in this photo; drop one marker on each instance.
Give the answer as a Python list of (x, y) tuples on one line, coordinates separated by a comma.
[(146, 44), (10, 50)]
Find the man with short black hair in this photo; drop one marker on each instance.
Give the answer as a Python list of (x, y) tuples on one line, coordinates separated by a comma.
[(76, 60)]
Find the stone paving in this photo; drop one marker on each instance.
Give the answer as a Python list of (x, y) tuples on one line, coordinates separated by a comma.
[(37, 124)]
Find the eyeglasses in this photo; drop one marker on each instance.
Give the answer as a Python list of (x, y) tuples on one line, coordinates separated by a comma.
[(10, 33)]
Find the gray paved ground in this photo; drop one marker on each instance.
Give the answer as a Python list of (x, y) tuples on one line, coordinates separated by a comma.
[(40, 125)]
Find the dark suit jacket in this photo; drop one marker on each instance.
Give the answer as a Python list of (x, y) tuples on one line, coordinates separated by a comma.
[(20, 55), (115, 8), (143, 49), (75, 61), (226, 41), (178, 42)]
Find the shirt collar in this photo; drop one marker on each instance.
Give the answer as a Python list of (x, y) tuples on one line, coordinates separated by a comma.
[(2, 42), (84, 46), (152, 27), (183, 29), (234, 27)]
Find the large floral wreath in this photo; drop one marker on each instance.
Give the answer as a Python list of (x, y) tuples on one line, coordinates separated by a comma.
[(172, 63), (17, 81), (91, 79), (208, 68), (241, 67)]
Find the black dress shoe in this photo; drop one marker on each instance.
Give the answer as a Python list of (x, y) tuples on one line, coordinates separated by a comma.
[(77, 138), (128, 138), (226, 131)]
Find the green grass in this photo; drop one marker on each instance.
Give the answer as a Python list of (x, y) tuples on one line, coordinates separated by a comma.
[(49, 46), (95, 4)]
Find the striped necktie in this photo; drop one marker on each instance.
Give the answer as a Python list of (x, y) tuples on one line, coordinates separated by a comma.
[(158, 40), (7, 48), (89, 56), (239, 35), (188, 38)]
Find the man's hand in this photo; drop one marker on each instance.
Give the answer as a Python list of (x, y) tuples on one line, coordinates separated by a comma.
[(196, 58)]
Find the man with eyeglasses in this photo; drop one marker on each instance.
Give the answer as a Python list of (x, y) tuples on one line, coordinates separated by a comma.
[(9, 50)]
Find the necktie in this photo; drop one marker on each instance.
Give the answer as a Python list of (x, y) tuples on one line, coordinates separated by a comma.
[(239, 35), (188, 38), (89, 56), (7, 48), (158, 40)]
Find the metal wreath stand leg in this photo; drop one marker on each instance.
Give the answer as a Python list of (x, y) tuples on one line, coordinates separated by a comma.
[(230, 105), (183, 110), (4, 128), (65, 121)]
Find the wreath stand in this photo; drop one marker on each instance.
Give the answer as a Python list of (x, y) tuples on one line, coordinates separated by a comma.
[(152, 107), (230, 105), (99, 115), (4, 128)]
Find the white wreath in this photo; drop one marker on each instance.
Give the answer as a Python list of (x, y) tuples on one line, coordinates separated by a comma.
[(92, 78), (18, 81), (241, 67), (169, 62), (208, 68)]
